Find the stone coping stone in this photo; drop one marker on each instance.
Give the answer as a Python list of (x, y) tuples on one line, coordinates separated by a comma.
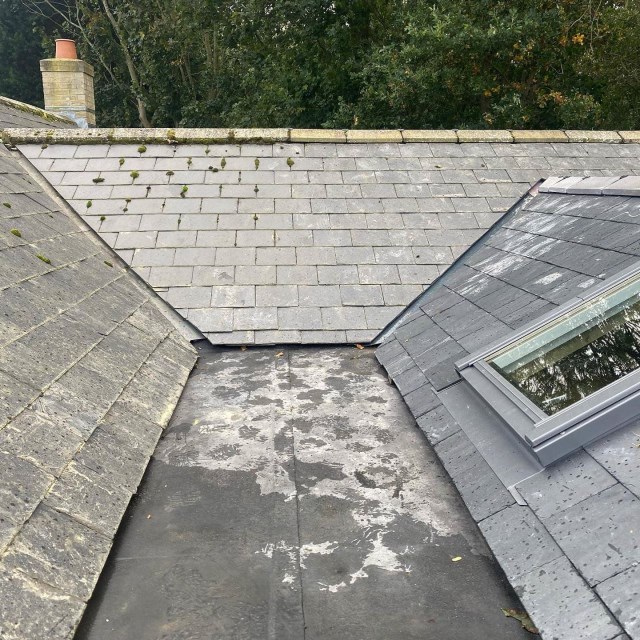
[(269, 136), (595, 185)]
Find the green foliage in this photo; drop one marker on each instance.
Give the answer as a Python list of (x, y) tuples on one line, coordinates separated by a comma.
[(16, 232), (134, 175), (355, 63), (21, 48), (43, 258)]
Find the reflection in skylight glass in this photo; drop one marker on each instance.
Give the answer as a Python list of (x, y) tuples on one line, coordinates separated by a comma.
[(579, 353)]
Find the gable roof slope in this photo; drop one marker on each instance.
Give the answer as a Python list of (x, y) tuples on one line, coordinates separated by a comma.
[(553, 530), (90, 371)]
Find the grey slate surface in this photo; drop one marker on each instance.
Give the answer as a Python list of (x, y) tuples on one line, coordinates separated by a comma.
[(572, 549), (90, 371), (15, 114), (286, 243)]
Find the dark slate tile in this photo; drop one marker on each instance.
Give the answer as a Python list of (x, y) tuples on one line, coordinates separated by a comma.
[(517, 317), (441, 299), (413, 328), (409, 380), (183, 354), (398, 364), (47, 441), (626, 211), (444, 373), (15, 396), (519, 540), (622, 595), (462, 319), (421, 400), (600, 534), (446, 351), (438, 424), (619, 453), (562, 606), (90, 498), (389, 350), (30, 609), (55, 549), (489, 331), (22, 487), (480, 488), (565, 484), (428, 339), (139, 432)]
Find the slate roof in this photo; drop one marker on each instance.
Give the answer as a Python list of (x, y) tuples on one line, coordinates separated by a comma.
[(90, 371), (566, 536), (303, 242), (17, 114)]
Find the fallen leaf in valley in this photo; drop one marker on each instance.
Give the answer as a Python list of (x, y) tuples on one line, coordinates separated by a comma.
[(456, 559), (279, 355), (359, 346), (523, 618)]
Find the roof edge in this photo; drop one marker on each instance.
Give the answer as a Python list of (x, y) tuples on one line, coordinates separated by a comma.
[(269, 136), (36, 111)]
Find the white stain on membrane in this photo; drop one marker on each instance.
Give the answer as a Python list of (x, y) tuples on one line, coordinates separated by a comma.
[(237, 429), (350, 423)]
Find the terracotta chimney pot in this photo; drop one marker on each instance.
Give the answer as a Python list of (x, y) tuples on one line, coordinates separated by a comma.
[(66, 49)]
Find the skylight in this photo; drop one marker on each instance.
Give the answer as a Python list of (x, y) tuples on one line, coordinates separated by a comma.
[(570, 377)]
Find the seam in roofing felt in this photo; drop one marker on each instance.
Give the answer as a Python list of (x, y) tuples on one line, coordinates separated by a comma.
[(36, 111), (379, 339), (327, 136)]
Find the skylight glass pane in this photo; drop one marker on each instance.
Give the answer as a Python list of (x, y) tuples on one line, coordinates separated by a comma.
[(578, 353)]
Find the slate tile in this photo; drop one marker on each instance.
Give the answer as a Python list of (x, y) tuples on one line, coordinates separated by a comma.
[(621, 594), (519, 540), (561, 605), (55, 549), (564, 484), (409, 380), (619, 454), (480, 488), (600, 534), (421, 400), (46, 441), (90, 498), (29, 609), (14, 397), (437, 425), (22, 487), (139, 432)]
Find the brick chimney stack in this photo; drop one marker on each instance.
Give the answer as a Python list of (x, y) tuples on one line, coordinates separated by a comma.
[(68, 85)]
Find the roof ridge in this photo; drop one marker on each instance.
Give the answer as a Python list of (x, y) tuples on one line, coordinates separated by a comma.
[(285, 135)]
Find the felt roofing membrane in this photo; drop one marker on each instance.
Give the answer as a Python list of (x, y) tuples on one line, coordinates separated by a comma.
[(90, 372), (567, 536)]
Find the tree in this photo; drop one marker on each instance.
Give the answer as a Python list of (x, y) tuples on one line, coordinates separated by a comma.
[(359, 63)]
